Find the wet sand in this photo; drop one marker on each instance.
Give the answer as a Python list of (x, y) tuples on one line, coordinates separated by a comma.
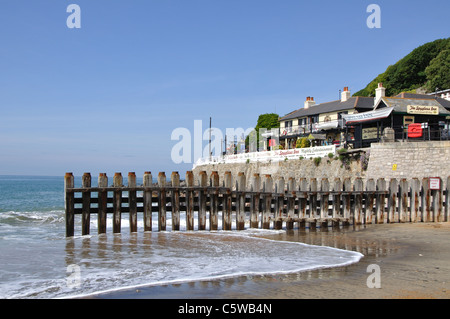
[(414, 262)]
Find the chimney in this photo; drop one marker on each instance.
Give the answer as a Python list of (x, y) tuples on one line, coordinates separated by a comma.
[(345, 95), (309, 102), (380, 92)]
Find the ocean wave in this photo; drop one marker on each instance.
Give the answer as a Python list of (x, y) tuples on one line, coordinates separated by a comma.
[(14, 218)]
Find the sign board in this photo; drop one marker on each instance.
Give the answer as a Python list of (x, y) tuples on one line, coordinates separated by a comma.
[(394, 167), (434, 183), (369, 133), (422, 109), (415, 130)]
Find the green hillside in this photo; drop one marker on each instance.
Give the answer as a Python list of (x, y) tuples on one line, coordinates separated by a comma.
[(426, 67)]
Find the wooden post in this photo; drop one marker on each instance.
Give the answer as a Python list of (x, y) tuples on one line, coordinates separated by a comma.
[(358, 187), (147, 182), (447, 199), (325, 193), (240, 201), (255, 203), (337, 187), (86, 210), (279, 203), (132, 204), (403, 201), (437, 203), (117, 202), (227, 203), (213, 215), (268, 189), (381, 198), (175, 201), (69, 203), (312, 203), (189, 201), (203, 182), (370, 200), (291, 203), (426, 201), (162, 210), (347, 201), (102, 203), (392, 201), (414, 200), (302, 202)]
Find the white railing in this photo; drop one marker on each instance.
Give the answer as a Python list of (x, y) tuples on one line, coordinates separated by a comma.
[(269, 156)]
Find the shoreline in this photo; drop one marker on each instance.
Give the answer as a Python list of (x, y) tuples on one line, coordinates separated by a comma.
[(414, 262)]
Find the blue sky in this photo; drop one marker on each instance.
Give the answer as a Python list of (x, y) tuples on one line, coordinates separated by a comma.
[(106, 97)]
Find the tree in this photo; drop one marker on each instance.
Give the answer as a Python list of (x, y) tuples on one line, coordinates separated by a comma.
[(267, 121), (438, 72)]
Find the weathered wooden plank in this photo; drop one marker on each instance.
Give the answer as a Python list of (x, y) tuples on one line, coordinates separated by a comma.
[(226, 214), (403, 201), (147, 182), (132, 204), (117, 204), (370, 200), (392, 201), (291, 203), (337, 213), (69, 204), (203, 183), (437, 203), (313, 216), (267, 200), (447, 199), (415, 200), (102, 203), (240, 201), (346, 201), (86, 214), (358, 187), (426, 201), (381, 201), (189, 201), (302, 202), (324, 197), (255, 203), (162, 198), (214, 210)]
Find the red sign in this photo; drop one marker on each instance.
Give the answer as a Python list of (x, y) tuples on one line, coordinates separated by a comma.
[(415, 130)]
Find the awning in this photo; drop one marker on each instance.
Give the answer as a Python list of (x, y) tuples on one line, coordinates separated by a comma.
[(367, 116), (326, 125)]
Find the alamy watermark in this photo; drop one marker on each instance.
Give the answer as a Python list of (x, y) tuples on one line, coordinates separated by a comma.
[(73, 280), (191, 144), (374, 19), (374, 279), (74, 19)]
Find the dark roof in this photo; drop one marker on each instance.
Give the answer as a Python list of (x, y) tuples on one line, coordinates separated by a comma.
[(358, 102), (445, 103), (400, 105)]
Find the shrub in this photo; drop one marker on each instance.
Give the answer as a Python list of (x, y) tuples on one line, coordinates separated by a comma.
[(317, 160)]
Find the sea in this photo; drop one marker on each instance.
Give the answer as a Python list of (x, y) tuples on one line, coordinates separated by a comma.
[(37, 261)]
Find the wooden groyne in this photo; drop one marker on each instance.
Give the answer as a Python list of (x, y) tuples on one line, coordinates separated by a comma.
[(259, 202)]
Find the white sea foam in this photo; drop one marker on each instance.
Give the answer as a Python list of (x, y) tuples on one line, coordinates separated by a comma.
[(35, 256)]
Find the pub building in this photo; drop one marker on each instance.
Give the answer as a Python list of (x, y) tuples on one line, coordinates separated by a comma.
[(356, 122), (411, 116)]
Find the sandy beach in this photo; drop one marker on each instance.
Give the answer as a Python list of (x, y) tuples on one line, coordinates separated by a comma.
[(413, 259)]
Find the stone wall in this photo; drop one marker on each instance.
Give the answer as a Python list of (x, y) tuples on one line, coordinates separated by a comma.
[(412, 159), (409, 160), (328, 168)]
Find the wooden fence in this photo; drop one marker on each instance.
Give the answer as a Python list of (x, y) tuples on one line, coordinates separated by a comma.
[(259, 202)]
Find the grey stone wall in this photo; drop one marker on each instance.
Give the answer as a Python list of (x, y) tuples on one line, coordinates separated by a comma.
[(328, 168), (411, 159)]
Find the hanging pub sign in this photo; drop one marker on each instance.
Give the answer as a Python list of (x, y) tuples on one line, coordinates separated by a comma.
[(422, 109)]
